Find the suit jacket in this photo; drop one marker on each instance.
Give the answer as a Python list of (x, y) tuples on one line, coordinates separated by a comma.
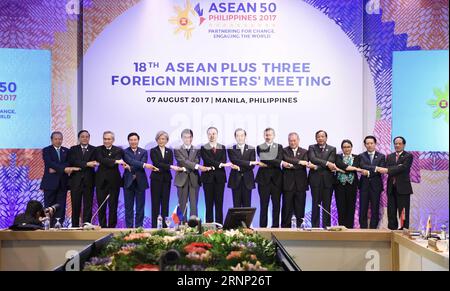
[(341, 165), (188, 162), (272, 157), (320, 159), (243, 161), (58, 180), (87, 174), (374, 179), (136, 162), (213, 160), (163, 164), (399, 171), (108, 171), (296, 178)]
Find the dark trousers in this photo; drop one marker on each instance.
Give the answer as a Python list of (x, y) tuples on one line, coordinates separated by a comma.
[(373, 197), (345, 196), (214, 201), (396, 204), (52, 197), (293, 203), (84, 194), (321, 194), (160, 192), (132, 195), (111, 204), (242, 197), (266, 193)]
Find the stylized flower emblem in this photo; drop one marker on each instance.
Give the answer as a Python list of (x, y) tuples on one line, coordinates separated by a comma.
[(440, 103)]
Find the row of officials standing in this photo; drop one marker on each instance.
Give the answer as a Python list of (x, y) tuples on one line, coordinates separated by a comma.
[(283, 178)]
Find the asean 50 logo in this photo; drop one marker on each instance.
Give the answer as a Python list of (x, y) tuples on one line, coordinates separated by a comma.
[(187, 19)]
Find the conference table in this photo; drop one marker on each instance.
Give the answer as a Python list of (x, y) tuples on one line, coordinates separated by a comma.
[(315, 250)]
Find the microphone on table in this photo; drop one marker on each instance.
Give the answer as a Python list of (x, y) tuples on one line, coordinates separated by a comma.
[(89, 225), (336, 227)]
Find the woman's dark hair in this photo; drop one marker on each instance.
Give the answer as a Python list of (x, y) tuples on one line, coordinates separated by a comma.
[(346, 141), (34, 207)]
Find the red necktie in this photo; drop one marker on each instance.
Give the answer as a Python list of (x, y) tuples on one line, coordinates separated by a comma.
[(214, 150)]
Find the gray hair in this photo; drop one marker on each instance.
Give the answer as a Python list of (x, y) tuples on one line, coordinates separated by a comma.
[(294, 133), (161, 133), (109, 132), (187, 131)]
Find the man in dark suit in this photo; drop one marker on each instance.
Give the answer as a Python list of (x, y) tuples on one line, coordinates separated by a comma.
[(269, 177), (242, 180), (214, 155), (399, 189), (295, 181), (135, 181), (370, 186), (81, 183), (188, 180), (321, 178), (56, 171), (108, 179)]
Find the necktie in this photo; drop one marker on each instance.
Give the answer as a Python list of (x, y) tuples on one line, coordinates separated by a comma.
[(188, 151), (83, 150), (394, 179), (59, 154), (214, 150), (371, 158), (242, 150), (322, 149)]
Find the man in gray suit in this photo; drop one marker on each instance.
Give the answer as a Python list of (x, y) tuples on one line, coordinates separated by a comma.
[(188, 180)]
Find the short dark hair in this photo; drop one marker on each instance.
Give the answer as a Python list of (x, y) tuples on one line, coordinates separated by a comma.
[(269, 129), (55, 133), (400, 137), (83, 131), (321, 130), (346, 141), (187, 131), (133, 134), (370, 137)]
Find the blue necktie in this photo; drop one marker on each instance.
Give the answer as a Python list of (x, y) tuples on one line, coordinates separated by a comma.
[(59, 154)]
